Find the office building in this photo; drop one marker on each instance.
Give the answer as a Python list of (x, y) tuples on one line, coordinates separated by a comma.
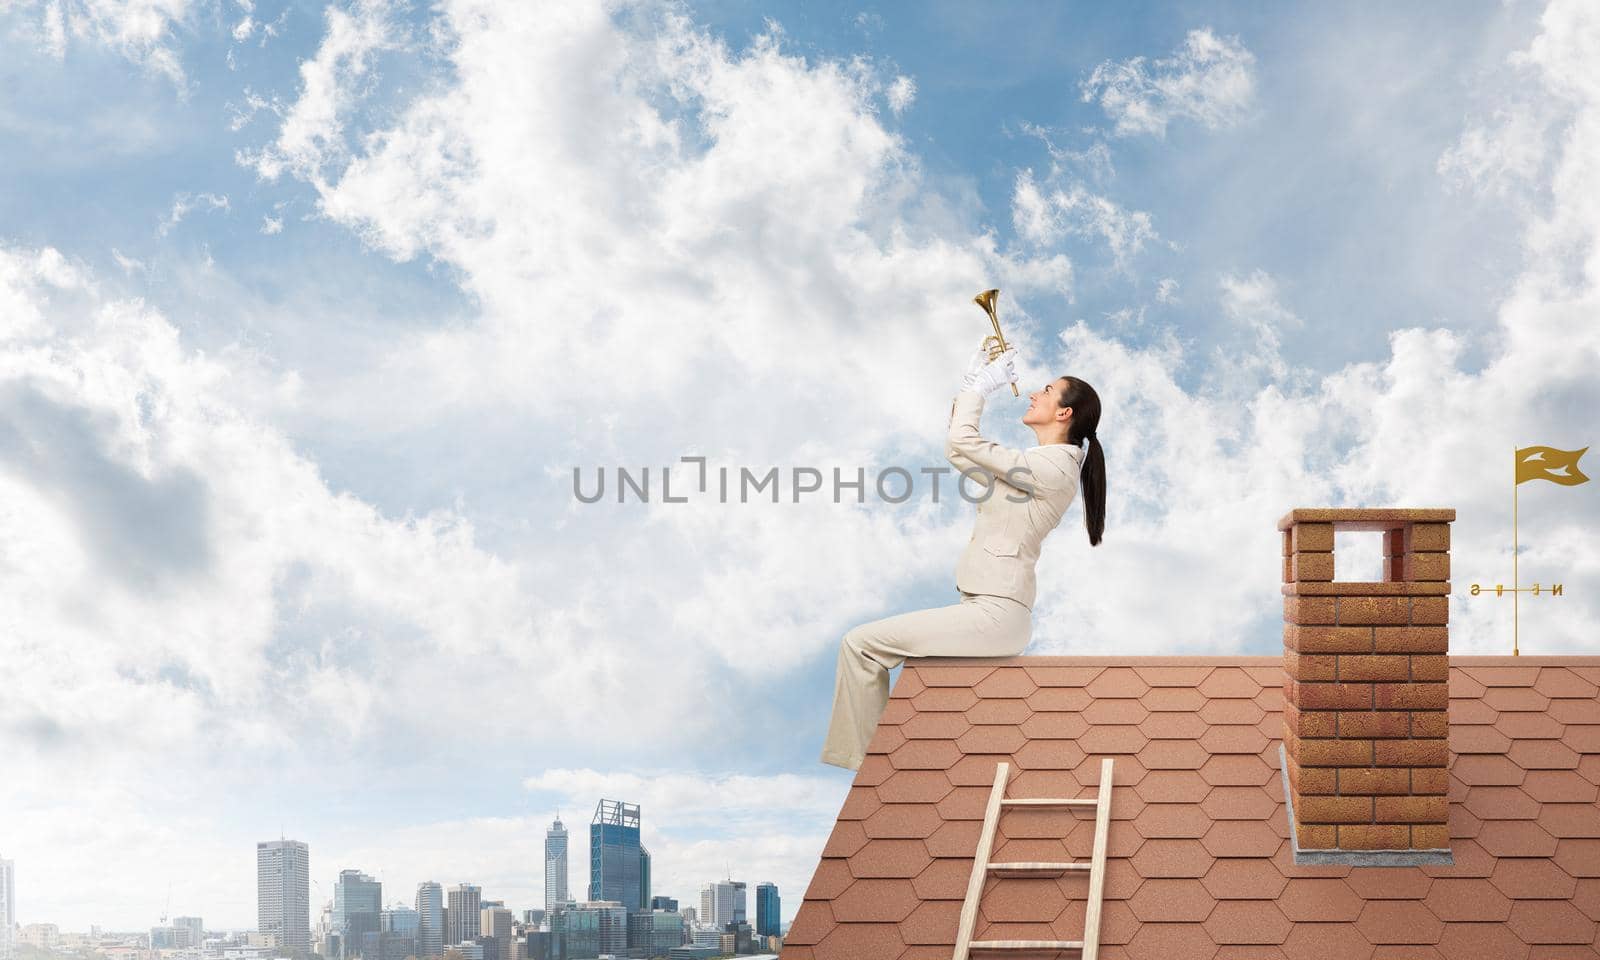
[(614, 855), (8, 909), (395, 939), (664, 903), (589, 929), (430, 920), (536, 945), (555, 864), (494, 924), (283, 894), (184, 933), (400, 920), (651, 933), (767, 909), (461, 914), (357, 905), (190, 932), (722, 903)]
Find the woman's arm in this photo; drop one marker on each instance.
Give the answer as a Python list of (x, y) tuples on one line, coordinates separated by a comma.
[(966, 442), (958, 459)]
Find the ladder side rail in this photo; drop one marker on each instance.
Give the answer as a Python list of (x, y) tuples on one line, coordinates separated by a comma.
[(1097, 868), (980, 864)]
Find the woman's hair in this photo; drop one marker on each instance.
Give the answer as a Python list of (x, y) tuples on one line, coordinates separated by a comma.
[(1085, 404)]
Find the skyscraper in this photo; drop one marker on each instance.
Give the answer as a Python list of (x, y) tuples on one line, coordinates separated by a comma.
[(357, 906), (190, 932), (283, 894), (461, 913), (8, 908), (555, 864), (767, 909), (430, 920), (721, 903), (494, 924), (397, 934), (614, 859)]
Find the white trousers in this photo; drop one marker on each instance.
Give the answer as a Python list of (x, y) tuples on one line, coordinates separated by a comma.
[(979, 626)]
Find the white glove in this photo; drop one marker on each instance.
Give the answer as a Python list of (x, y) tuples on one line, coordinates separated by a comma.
[(992, 375), (979, 357)]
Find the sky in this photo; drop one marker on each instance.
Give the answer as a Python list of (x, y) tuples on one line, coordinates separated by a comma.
[(309, 312)]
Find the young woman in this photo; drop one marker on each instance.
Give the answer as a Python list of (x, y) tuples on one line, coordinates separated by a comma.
[(1025, 493)]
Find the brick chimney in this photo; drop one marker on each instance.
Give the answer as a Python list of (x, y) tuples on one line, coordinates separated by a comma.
[(1366, 690)]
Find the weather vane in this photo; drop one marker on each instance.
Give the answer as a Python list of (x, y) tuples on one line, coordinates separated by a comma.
[(1534, 463)]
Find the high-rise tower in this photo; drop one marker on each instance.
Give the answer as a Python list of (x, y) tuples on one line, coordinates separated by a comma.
[(283, 894), (614, 859), (555, 865), (8, 907), (430, 920)]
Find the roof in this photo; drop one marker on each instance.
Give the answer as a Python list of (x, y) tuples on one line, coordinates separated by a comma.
[(1199, 858)]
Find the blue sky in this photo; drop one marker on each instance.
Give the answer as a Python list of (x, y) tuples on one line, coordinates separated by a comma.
[(308, 312)]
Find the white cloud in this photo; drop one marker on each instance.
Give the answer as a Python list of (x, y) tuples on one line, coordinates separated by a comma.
[(1092, 163), (183, 203), (1211, 80), (1496, 156), (1045, 218), (128, 264), (901, 92), (868, 23), (140, 30), (253, 103), (1166, 290), (312, 133), (1251, 305)]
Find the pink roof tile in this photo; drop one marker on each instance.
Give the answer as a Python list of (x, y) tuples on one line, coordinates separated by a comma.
[(1199, 861)]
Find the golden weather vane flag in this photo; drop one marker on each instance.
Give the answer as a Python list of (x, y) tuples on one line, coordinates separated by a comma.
[(1541, 463), (1536, 463)]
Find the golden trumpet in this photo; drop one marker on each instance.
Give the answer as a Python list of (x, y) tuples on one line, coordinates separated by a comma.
[(995, 344)]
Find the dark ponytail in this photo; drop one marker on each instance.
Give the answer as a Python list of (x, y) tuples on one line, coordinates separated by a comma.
[(1085, 404)]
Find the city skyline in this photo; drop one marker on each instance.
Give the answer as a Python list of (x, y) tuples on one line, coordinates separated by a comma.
[(301, 851), (279, 866)]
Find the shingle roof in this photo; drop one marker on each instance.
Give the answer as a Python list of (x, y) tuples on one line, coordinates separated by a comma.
[(1199, 858)]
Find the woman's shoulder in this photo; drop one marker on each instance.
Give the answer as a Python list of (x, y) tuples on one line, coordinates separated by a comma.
[(1060, 452)]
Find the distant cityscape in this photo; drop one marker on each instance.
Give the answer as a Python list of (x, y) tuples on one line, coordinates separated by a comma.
[(618, 917)]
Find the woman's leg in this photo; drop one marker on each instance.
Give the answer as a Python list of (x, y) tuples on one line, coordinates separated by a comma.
[(978, 626)]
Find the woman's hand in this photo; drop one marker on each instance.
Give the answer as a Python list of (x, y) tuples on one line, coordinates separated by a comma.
[(992, 374), (979, 357)]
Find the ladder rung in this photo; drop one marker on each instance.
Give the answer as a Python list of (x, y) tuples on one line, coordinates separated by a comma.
[(1034, 868), (1048, 802), (1026, 945)]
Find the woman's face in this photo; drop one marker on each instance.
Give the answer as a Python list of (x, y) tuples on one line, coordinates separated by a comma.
[(1044, 405)]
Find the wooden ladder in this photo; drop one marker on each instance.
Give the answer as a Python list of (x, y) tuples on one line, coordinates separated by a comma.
[(981, 868)]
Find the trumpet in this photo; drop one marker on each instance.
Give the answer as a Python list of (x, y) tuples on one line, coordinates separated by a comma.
[(996, 343)]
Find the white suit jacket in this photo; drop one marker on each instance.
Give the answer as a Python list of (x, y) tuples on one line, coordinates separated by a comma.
[(1000, 556)]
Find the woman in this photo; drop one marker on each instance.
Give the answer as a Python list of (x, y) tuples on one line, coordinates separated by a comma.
[(1025, 493)]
